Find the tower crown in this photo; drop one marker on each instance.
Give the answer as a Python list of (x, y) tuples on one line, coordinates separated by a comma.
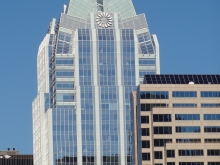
[(81, 8)]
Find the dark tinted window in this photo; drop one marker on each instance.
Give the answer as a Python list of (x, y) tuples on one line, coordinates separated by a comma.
[(212, 140), (145, 144), (170, 163), (191, 163), (154, 95), (214, 163), (171, 153), (145, 132), (144, 119), (212, 129), (145, 156), (162, 118), (213, 152), (162, 130), (188, 140), (190, 152), (148, 107), (161, 142), (158, 155)]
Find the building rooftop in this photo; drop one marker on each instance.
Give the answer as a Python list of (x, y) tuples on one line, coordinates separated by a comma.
[(9, 152), (181, 79)]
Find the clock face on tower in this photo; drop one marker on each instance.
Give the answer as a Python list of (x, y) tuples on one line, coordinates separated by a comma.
[(104, 20)]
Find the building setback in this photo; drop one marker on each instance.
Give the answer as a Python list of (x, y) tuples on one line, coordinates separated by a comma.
[(176, 120), (87, 65)]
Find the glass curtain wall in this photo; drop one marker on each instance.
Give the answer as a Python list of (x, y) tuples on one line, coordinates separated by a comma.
[(129, 81), (87, 107), (108, 96)]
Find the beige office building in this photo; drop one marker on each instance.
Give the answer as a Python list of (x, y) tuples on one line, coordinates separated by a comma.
[(176, 120)]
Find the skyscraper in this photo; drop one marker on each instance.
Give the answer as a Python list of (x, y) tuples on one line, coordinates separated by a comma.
[(88, 63)]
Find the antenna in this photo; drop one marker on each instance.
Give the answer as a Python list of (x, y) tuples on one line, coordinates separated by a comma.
[(64, 9)]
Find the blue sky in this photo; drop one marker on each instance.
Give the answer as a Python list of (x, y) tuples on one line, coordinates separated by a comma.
[(187, 30)]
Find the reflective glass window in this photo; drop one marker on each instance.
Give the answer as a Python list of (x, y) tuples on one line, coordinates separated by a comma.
[(64, 62), (184, 94), (211, 116), (64, 85), (65, 97), (142, 73), (185, 105), (210, 105), (187, 117), (188, 129), (64, 73), (210, 93), (63, 45), (145, 61)]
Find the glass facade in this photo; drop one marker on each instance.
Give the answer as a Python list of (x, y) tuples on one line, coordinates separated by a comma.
[(98, 55), (64, 135), (108, 91)]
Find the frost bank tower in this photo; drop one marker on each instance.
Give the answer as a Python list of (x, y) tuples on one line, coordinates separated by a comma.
[(88, 63)]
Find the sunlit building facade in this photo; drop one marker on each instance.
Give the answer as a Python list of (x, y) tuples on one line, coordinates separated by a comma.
[(88, 63), (175, 120)]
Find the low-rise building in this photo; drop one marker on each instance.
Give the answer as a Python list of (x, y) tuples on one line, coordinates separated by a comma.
[(12, 157), (176, 120)]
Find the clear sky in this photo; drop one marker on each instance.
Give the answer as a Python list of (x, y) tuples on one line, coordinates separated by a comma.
[(187, 30)]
